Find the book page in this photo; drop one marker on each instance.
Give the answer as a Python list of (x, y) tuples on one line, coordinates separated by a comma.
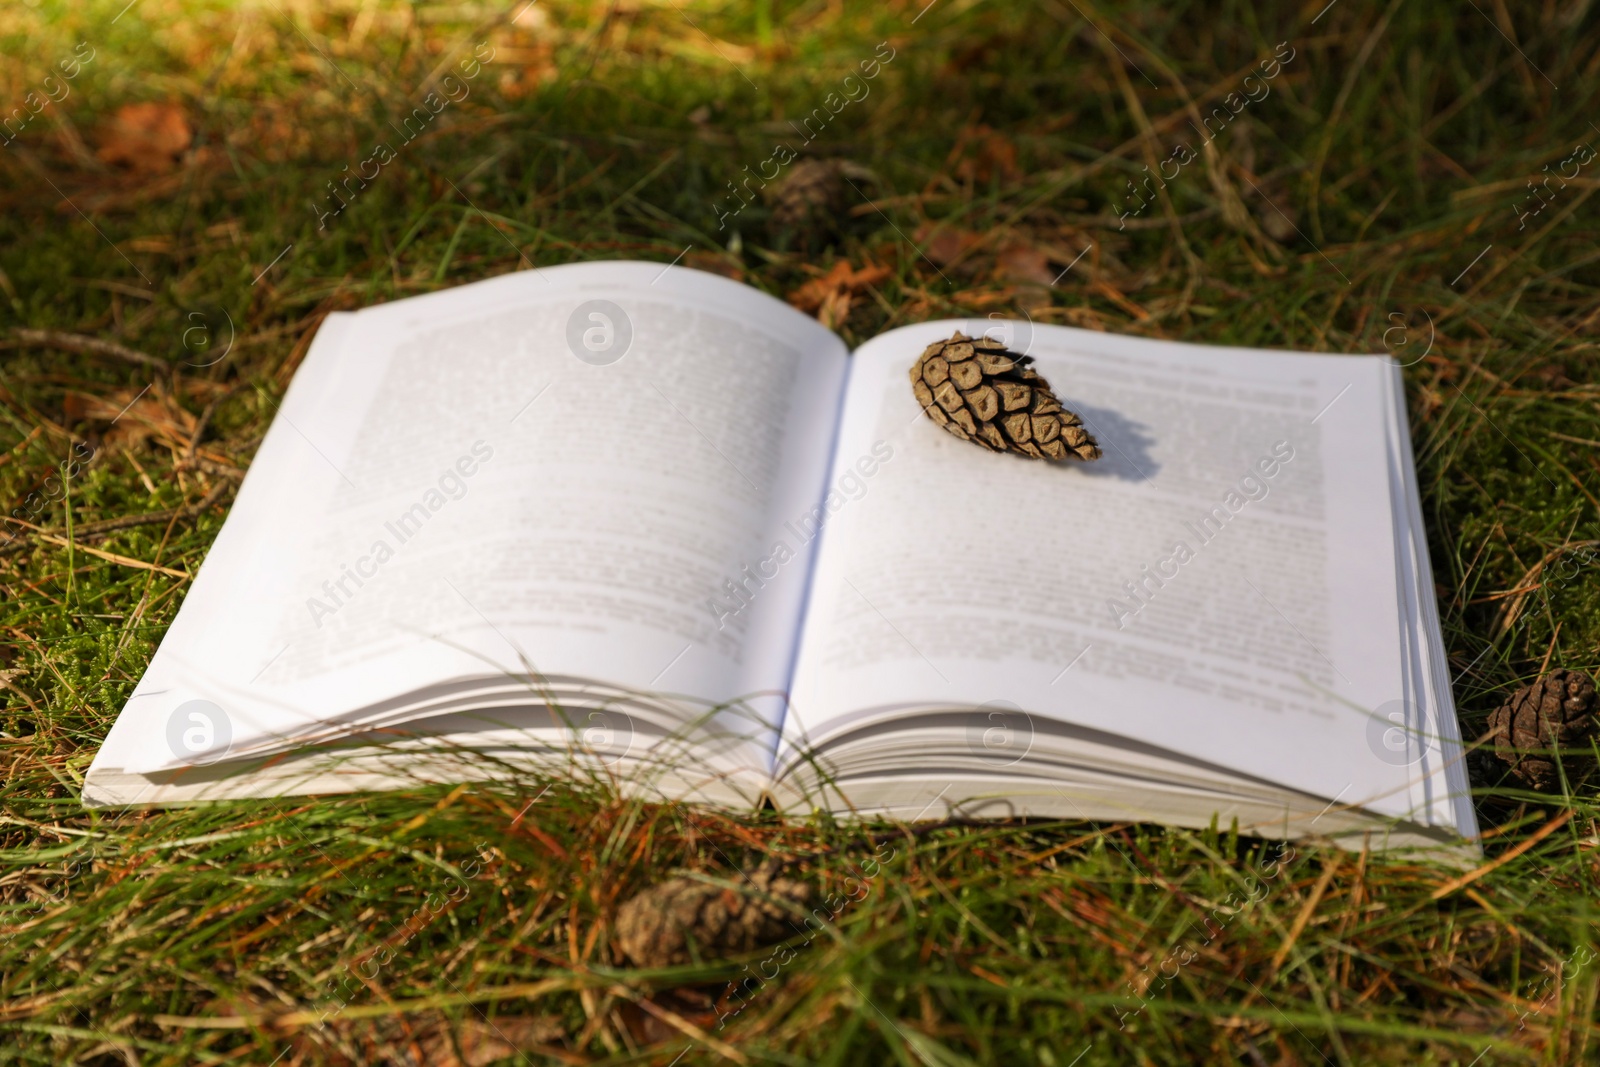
[(1422, 734), (561, 471), (1221, 584)]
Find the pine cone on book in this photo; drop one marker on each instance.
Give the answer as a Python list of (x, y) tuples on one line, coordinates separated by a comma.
[(982, 393), (1555, 712), (682, 918)]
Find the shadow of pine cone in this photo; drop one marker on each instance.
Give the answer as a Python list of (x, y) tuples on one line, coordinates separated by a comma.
[(688, 919)]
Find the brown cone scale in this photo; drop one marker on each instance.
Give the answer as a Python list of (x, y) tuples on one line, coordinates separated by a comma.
[(980, 392), (1556, 712)]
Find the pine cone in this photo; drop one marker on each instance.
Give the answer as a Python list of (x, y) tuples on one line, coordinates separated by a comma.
[(813, 197), (682, 919), (982, 393), (1555, 712)]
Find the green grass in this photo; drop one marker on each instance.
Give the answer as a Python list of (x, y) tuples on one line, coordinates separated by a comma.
[(1397, 141)]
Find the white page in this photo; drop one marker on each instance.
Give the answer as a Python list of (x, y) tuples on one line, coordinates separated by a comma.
[(962, 577), (593, 512), (1432, 750)]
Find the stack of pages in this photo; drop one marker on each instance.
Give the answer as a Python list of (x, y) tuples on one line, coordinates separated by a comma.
[(658, 526)]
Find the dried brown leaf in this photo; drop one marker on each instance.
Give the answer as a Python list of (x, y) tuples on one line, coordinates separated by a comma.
[(831, 293), (982, 153), (943, 245), (1024, 263), (147, 138)]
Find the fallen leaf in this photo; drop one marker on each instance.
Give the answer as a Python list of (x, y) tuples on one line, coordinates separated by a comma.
[(835, 308), (1025, 263), (943, 245), (829, 297), (147, 138), (982, 153)]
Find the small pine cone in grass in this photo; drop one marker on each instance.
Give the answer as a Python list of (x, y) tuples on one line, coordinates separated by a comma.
[(982, 393), (681, 919), (812, 199), (1556, 712)]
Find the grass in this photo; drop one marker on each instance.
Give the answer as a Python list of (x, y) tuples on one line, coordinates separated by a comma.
[(1376, 197)]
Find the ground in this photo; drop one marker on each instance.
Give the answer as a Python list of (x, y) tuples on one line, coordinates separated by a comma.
[(200, 184)]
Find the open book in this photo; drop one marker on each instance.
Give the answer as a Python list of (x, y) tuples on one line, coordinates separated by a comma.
[(656, 524)]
